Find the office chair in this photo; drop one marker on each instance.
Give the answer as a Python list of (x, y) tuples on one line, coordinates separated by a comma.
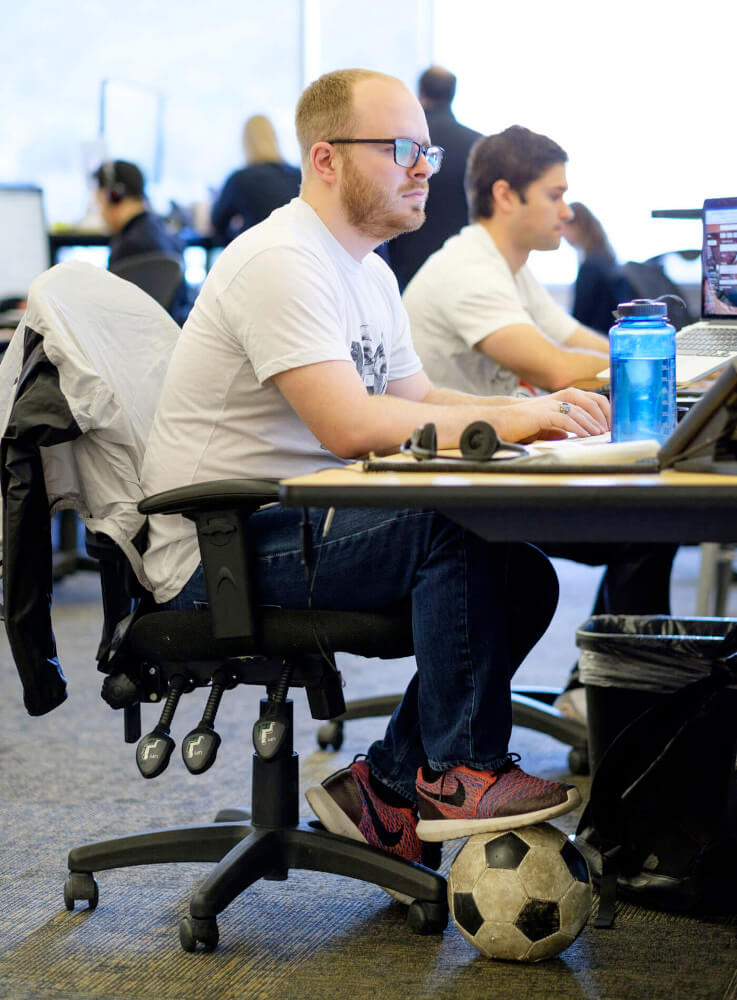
[(649, 281), (158, 274), (159, 655), (54, 447)]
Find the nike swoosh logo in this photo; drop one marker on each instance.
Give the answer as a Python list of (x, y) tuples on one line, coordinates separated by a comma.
[(456, 798), (389, 838)]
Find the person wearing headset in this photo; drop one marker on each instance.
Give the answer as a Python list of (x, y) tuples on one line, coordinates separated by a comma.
[(134, 228)]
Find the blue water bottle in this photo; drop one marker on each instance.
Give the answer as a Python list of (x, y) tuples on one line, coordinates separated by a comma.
[(642, 356)]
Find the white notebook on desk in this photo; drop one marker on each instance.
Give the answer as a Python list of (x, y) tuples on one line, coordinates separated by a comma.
[(706, 346), (598, 449)]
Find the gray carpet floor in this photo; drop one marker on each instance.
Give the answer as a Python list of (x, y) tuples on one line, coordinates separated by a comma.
[(68, 778)]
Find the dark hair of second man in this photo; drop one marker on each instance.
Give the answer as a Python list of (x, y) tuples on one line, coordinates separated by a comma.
[(515, 155)]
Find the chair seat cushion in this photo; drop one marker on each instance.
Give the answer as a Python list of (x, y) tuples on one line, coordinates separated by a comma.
[(174, 636)]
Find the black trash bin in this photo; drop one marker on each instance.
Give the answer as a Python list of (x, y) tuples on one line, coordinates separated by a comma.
[(628, 663), (661, 821)]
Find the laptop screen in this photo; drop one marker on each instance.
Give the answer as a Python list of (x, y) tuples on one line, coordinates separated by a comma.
[(719, 259)]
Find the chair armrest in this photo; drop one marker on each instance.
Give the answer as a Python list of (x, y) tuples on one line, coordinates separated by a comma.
[(221, 494), (220, 511)]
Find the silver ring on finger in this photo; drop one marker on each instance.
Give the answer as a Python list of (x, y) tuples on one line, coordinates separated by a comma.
[(564, 407)]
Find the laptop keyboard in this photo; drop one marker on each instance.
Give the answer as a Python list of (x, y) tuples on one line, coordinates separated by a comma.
[(708, 341)]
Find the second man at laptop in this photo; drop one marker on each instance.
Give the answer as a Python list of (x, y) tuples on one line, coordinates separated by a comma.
[(481, 323), (480, 320)]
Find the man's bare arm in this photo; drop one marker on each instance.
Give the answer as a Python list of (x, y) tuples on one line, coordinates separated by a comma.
[(332, 401), (523, 349), (588, 340)]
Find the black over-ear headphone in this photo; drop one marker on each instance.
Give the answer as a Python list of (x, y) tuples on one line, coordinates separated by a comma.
[(479, 442), (114, 190)]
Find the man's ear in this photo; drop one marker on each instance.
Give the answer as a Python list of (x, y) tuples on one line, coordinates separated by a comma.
[(323, 162), (503, 196)]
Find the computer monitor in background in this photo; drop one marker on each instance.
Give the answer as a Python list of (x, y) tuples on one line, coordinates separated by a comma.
[(24, 241)]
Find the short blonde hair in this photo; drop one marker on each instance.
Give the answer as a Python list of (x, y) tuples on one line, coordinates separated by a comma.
[(260, 143), (325, 110)]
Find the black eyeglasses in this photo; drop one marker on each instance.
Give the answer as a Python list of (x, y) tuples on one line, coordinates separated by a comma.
[(406, 151)]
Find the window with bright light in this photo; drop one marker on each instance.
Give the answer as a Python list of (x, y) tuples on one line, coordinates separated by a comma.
[(638, 94)]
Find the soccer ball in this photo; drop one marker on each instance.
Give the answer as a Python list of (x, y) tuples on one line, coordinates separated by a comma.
[(520, 894)]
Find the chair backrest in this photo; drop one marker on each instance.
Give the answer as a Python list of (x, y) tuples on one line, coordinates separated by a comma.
[(649, 281), (79, 387), (158, 274)]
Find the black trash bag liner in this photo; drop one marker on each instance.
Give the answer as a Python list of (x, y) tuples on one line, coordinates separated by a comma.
[(652, 652)]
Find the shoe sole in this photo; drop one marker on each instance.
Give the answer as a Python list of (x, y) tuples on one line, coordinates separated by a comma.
[(453, 829), (335, 820)]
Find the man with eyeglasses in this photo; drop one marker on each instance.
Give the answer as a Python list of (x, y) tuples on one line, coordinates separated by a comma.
[(297, 356)]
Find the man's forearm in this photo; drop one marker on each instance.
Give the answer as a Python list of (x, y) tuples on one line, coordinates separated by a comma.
[(588, 340), (451, 397)]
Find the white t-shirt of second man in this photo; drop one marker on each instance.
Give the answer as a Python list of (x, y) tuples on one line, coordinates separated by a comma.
[(464, 292)]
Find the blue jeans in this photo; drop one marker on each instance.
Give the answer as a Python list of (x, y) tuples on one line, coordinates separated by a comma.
[(477, 610)]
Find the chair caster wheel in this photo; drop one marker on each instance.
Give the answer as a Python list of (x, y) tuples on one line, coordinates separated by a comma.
[(578, 760), (80, 885), (193, 930), (425, 917), (330, 735)]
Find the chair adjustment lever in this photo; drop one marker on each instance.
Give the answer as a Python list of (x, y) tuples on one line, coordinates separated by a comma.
[(270, 731), (200, 747), (155, 748)]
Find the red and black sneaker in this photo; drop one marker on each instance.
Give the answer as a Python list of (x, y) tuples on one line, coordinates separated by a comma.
[(346, 803), (461, 802)]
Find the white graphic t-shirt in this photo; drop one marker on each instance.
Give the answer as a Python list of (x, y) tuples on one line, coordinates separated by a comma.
[(283, 295)]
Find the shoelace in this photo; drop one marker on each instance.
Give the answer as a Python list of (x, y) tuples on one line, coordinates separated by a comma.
[(509, 763)]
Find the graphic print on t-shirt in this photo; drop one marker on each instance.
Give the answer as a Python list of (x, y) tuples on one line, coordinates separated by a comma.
[(369, 358)]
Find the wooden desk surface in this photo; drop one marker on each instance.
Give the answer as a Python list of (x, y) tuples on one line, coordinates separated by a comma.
[(671, 506)]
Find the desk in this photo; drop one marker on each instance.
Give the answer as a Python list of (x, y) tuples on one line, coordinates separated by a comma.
[(669, 507)]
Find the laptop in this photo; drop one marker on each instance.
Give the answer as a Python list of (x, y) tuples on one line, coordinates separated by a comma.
[(706, 346)]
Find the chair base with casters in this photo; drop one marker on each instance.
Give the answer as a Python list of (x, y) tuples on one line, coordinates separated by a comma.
[(271, 845), (532, 708)]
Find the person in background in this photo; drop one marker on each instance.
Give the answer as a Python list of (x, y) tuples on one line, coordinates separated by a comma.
[(600, 284), (134, 228), (252, 193), (446, 208)]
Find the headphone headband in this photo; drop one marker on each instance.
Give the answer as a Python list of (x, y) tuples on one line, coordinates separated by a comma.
[(114, 189), (479, 442)]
